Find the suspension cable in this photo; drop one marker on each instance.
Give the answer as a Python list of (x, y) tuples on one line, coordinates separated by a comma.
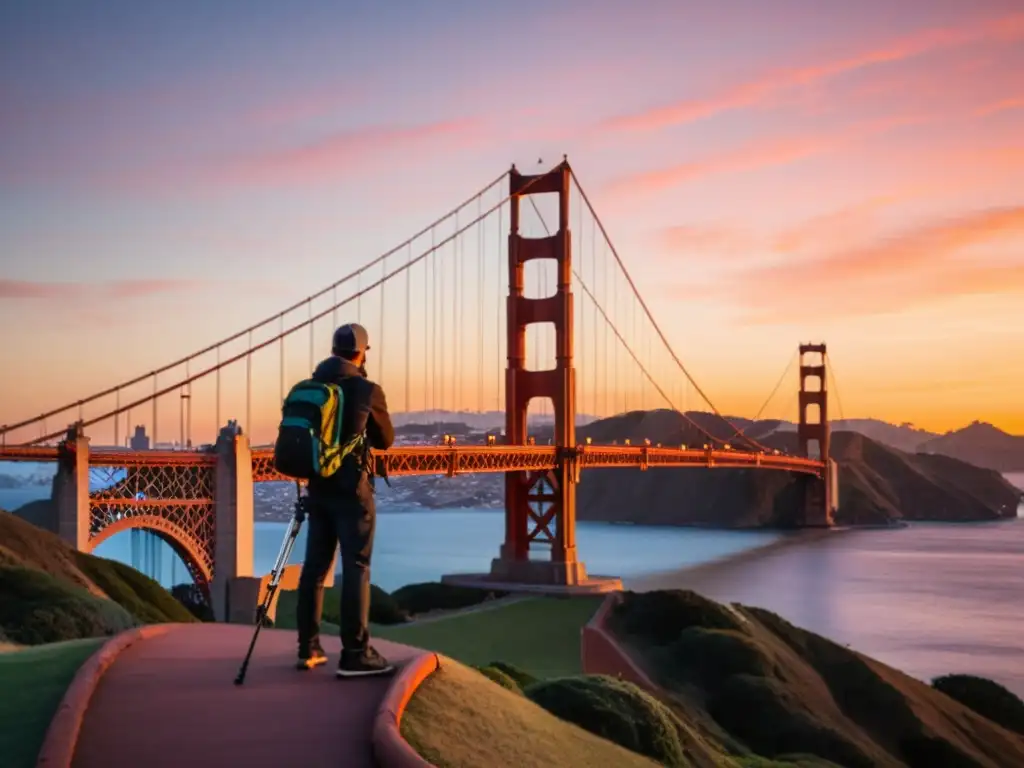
[(625, 344), (298, 326), (240, 334), (654, 323)]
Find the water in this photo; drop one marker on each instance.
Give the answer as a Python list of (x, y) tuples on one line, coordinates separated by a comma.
[(414, 545)]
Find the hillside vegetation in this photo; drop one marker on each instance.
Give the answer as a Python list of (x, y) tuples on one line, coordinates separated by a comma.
[(748, 677), (49, 592), (877, 484), (739, 687)]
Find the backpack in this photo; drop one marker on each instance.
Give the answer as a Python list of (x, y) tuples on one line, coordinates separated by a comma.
[(309, 440)]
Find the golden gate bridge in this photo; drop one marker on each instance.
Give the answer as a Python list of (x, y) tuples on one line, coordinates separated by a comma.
[(572, 334)]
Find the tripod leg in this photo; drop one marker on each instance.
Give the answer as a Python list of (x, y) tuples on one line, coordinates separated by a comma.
[(275, 578)]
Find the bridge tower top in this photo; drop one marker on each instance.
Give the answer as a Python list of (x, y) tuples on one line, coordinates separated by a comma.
[(813, 431)]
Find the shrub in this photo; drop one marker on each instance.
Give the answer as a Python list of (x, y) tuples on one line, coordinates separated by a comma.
[(384, 609), (709, 656), (499, 677), (435, 596), (136, 592), (768, 717), (659, 617), (192, 598), (521, 677), (987, 698), (615, 710), (37, 608)]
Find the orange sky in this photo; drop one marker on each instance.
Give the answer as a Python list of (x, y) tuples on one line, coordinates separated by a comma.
[(770, 176)]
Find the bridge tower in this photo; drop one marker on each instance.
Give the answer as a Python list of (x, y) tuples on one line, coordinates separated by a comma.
[(528, 492), (820, 496)]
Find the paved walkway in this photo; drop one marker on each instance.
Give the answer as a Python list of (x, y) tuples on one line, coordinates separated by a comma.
[(171, 701)]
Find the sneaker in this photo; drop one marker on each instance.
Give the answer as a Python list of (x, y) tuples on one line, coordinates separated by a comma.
[(311, 659), (363, 664)]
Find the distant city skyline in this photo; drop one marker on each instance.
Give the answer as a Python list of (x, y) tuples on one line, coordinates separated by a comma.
[(771, 174)]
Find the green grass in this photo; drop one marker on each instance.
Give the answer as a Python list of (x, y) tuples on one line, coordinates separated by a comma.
[(540, 635), (459, 718), (33, 681)]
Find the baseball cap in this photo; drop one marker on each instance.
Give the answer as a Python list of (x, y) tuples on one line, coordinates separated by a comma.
[(351, 337)]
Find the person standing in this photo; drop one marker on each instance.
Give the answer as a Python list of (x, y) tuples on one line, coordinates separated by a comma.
[(342, 512)]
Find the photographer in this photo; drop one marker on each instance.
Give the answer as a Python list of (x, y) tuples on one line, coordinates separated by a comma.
[(342, 512)]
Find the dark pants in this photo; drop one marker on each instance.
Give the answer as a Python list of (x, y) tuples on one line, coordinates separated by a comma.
[(348, 521)]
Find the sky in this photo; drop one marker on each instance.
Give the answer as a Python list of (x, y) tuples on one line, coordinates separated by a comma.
[(770, 173)]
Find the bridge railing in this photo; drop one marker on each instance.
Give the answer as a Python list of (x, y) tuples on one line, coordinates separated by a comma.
[(454, 460)]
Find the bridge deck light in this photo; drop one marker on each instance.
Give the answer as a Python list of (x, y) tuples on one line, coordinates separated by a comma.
[(490, 439), (705, 446), (627, 441), (682, 447), (646, 441), (588, 441)]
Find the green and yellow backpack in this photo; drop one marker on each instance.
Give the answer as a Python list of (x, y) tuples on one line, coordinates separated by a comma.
[(309, 437)]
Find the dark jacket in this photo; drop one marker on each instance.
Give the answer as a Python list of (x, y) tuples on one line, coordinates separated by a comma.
[(365, 411)]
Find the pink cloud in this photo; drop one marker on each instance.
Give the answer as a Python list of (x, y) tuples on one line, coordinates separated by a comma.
[(674, 241), (111, 289), (774, 85), (918, 266), (333, 157), (1004, 105), (752, 156)]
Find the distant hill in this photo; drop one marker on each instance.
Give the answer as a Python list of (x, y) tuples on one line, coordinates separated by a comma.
[(905, 437), (50, 592), (471, 419), (981, 444), (878, 484)]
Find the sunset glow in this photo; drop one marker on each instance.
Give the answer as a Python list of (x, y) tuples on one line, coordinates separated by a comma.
[(771, 173)]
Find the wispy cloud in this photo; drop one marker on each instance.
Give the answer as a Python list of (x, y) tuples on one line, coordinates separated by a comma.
[(111, 289), (752, 156), (842, 225), (332, 157), (918, 266), (1004, 105), (776, 84), (681, 240)]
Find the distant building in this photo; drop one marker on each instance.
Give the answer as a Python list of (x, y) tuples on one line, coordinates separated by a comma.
[(140, 440)]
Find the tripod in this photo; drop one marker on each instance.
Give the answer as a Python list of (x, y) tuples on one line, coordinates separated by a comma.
[(301, 503)]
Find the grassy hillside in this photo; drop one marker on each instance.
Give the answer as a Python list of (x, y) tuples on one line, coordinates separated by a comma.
[(740, 688), (877, 483), (746, 677), (49, 592), (458, 717)]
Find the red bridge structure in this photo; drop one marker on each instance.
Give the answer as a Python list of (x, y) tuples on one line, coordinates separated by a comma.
[(199, 499)]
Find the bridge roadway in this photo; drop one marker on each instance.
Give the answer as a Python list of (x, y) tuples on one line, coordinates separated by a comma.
[(455, 460)]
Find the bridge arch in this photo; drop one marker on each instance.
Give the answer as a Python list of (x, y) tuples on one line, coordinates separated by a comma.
[(177, 538)]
